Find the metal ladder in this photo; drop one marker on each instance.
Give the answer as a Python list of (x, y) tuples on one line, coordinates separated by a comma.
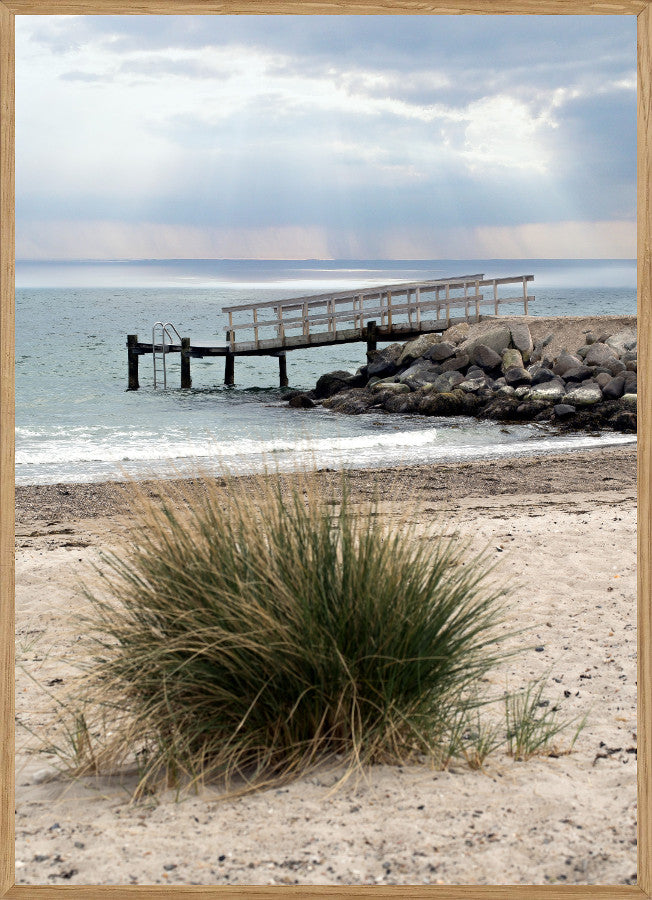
[(164, 326)]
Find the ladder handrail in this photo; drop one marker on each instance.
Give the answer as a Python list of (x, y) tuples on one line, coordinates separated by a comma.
[(164, 333)]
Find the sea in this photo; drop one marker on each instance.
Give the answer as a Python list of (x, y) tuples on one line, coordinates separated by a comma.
[(77, 422)]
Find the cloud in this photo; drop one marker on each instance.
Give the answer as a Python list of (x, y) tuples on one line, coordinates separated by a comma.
[(365, 132)]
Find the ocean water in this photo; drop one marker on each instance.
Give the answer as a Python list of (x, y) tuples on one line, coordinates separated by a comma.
[(75, 420)]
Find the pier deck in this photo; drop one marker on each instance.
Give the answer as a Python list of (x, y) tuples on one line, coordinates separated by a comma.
[(382, 313)]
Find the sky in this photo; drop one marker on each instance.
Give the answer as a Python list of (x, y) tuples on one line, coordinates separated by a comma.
[(296, 137)]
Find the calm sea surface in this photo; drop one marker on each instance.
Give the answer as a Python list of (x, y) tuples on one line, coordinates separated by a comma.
[(76, 422)]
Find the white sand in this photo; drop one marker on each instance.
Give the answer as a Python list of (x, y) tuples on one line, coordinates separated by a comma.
[(569, 819)]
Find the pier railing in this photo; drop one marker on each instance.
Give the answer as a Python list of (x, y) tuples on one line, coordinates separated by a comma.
[(396, 308)]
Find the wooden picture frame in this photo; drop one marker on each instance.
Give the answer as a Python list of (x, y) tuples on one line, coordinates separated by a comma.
[(640, 8)]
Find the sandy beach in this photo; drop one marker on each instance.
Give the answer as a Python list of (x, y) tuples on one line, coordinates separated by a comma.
[(563, 527)]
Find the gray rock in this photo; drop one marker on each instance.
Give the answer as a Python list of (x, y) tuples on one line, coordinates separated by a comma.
[(563, 410), (456, 333), (590, 337), (631, 365), (622, 341), (540, 374), (614, 388), (551, 391), (447, 381), (459, 361), (472, 385), (331, 383), (521, 392), (630, 382), (603, 379), (583, 351), (584, 396), (521, 338), (516, 376), (577, 373), (506, 390), (614, 366), (599, 354), (511, 359), (566, 361), (485, 357), (497, 339), (416, 348), (440, 352), (391, 386), (421, 372), (351, 402), (301, 401), (629, 401)]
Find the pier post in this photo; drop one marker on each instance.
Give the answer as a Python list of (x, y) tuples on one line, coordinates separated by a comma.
[(282, 370), (132, 363), (229, 363), (186, 380), (371, 337)]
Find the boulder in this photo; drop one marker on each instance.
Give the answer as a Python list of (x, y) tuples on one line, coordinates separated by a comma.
[(506, 390), (301, 401), (577, 373), (599, 354), (351, 402), (566, 361), (331, 383), (446, 382), (629, 401), (390, 386), (521, 392), (459, 361), (416, 348), (440, 352), (485, 357), (603, 379), (614, 388), (456, 333), (511, 359), (384, 362), (516, 376), (584, 396), (472, 385), (497, 339), (540, 374), (590, 337), (563, 410), (630, 382), (614, 366), (421, 372), (521, 338), (400, 403), (622, 341), (550, 391), (530, 409)]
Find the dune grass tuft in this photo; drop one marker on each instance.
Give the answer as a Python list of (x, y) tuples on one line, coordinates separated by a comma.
[(255, 628)]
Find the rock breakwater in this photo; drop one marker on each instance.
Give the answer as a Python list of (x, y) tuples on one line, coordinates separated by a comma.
[(494, 370)]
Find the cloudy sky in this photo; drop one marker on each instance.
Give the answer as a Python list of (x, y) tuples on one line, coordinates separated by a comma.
[(325, 137)]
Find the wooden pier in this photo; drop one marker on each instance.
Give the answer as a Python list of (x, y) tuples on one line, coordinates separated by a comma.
[(384, 313)]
